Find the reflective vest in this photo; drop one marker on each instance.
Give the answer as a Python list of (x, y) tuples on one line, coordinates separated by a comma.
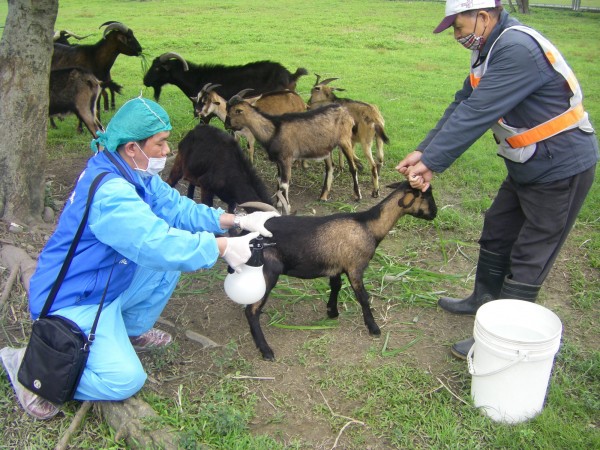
[(519, 144)]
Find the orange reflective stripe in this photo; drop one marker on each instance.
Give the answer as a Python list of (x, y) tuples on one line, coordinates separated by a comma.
[(551, 57), (474, 80), (547, 129)]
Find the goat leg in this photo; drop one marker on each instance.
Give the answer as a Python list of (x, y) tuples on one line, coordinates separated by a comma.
[(253, 313), (363, 298), (328, 178), (335, 283), (190, 193), (349, 154)]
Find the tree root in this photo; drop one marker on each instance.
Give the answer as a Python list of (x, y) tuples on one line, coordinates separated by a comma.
[(132, 420), (66, 437)]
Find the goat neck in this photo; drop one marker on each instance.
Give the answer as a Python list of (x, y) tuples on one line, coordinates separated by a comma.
[(384, 215), (259, 124)]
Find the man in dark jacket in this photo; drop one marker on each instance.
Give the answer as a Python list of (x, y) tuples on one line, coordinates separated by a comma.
[(521, 88)]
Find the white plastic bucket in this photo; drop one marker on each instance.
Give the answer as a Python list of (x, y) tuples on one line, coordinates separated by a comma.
[(511, 360)]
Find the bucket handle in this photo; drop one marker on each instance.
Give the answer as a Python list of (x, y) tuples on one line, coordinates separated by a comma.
[(522, 355)]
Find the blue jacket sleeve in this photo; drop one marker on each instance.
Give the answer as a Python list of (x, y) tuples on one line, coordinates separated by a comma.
[(180, 211), (120, 219)]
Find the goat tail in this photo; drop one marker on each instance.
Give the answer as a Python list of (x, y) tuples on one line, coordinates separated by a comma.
[(381, 133), (299, 72)]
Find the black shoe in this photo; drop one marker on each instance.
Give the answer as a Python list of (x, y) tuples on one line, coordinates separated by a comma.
[(492, 268), (461, 348)]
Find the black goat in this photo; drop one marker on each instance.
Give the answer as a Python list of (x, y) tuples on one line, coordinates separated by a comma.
[(212, 159), (75, 91), (328, 246), (261, 76)]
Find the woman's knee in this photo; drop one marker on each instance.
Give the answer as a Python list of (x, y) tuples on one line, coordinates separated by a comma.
[(128, 381), (116, 383)]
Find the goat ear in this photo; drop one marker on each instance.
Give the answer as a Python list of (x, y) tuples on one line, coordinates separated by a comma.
[(407, 200), (253, 100)]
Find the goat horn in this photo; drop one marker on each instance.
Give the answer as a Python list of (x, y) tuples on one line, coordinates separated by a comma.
[(170, 55), (328, 80), (209, 87), (317, 80), (244, 92), (73, 35), (259, 205), (235, 100), (114, 26)]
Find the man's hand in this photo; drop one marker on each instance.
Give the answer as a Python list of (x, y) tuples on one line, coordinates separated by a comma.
[(419, 176), (410, 160)]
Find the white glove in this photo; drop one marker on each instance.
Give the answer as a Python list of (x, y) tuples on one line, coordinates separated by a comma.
[(238, 250), (256, 222)]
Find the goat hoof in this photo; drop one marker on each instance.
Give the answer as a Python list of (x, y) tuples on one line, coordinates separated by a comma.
[(375, 194), (270, 357), (332, 314), (375, 333)]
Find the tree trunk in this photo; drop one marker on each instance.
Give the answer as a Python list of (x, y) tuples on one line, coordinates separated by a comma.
[(523, 6), (25, 54)]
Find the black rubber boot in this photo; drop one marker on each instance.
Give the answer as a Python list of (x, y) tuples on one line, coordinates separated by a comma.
[(510, 290), (491, 271), (461, 348)]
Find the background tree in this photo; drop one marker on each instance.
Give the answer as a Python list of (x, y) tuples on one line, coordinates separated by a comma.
[(25, 53), (523, 6)]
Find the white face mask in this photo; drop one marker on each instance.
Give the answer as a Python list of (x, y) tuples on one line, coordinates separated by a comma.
[(155, 165)]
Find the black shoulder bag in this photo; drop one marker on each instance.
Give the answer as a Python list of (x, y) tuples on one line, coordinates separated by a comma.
[(58, 350)]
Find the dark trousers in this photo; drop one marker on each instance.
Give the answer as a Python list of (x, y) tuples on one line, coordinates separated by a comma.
[(531, 223)]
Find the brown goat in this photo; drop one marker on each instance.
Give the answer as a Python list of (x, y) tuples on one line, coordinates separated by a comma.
[(369, 124), (209, 102), (293, 136), (75, 90)]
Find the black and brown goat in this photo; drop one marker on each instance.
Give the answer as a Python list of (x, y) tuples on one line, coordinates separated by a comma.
[(369, 124), (328, 246), (211, 159), (290, 137)]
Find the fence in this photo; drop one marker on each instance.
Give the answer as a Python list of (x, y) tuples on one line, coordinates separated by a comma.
[(575, 5)]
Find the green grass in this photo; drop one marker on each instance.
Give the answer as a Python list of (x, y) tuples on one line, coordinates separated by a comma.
[(384, 52)]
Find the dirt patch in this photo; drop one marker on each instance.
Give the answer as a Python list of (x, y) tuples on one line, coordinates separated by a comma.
[(288, 401)]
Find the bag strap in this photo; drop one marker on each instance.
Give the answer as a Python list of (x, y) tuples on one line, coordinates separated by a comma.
[(71, 252)]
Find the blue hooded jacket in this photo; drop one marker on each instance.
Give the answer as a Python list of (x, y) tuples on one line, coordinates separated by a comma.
[(133, 221)]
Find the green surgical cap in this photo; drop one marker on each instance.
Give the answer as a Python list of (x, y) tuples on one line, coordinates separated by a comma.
[(136, 120)]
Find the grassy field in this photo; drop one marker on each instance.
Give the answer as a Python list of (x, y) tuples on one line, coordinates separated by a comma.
[(384, 53)]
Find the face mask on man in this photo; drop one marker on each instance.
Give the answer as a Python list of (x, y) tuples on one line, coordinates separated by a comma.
[(472, 42), (155, 165)]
